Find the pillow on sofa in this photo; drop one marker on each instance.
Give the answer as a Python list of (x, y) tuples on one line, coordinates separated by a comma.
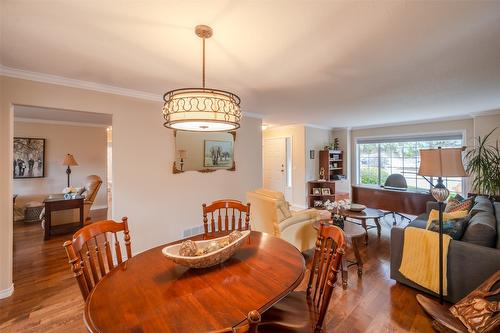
[(434, 215), (453, 227), (455, 205), (481, 230)]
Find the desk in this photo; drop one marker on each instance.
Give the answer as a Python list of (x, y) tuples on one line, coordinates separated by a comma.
[(409, 201), (59, 203), (149, 293)]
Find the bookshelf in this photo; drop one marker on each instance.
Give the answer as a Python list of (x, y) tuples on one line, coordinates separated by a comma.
[(332, 161)]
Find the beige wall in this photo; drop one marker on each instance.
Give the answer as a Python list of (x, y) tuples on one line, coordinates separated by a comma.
[(159, 204), (463, 125), (88, 146), (485, 124), (297, 133), (315, 139)]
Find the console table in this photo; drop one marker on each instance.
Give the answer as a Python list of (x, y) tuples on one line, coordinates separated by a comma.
[(409, 201), (59, 203)]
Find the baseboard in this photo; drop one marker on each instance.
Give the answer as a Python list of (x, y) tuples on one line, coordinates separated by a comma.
[(7, 292), (98, 207)]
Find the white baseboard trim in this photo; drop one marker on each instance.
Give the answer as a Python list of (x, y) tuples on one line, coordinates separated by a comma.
[(99, 207), (7, 292)]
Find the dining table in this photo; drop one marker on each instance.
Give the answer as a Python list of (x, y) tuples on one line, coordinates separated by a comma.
[(151, 293)]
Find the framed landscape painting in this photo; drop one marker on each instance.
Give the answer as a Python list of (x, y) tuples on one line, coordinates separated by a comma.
[(29, 158), (218, 154)]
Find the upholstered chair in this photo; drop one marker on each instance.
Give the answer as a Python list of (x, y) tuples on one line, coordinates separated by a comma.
[(271, 214), (92, 185)]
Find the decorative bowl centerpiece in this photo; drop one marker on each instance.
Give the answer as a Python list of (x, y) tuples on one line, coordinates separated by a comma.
[(205, 253), (357, 207)]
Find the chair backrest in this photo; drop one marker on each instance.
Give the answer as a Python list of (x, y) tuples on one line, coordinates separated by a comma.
[(396, 180), (326, 263), (93, 244), (92, 185), (226, 215)]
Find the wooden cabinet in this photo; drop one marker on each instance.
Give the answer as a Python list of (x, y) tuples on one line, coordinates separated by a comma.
[(332, 162), (320, 191)]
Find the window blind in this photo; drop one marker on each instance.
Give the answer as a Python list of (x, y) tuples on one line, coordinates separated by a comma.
[(413, 138)]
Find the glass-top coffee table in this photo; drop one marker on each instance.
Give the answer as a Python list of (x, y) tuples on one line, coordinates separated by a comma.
[(354, 233)]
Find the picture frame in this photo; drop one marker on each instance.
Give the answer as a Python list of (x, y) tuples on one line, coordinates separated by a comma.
[(316, 191), (325, 191), (218, 154), (28, 158)]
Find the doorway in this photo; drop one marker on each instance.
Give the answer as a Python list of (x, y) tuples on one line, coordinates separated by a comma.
[(277, 165)]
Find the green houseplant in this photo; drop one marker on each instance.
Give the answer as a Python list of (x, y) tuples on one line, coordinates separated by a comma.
[(482, 163)]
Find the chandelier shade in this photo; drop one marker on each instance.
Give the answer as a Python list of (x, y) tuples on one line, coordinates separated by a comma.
[(201, 109)]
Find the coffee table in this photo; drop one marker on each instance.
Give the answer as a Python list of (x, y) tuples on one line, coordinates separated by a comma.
[(365, 214), (353, 233)]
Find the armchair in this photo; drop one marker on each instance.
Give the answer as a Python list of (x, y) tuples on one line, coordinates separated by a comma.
[(271, 214), (92, 185)]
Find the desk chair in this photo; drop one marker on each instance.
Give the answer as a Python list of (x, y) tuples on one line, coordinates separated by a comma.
[(398, 182)]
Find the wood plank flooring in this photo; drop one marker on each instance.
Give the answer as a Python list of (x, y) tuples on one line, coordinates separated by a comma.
[(47, 299)]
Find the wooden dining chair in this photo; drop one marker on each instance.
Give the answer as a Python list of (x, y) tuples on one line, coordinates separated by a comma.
[(305, 311), (225, 215), (93, 244)]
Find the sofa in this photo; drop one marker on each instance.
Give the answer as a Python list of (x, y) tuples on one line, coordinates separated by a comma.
[(471, 260), (271, 214)]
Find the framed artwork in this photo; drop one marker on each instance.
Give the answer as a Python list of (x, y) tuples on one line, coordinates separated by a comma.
[(316, 191), (29, 158), (325, 191), (218, 154)]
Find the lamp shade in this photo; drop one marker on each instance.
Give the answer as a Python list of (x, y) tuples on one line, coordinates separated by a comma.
[(441, 162), (182, 153), (69, 160)]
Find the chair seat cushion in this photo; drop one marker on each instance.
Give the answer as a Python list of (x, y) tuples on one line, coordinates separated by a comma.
[(294, 313)]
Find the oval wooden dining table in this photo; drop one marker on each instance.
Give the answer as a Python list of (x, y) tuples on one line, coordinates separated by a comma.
[(150, 293)]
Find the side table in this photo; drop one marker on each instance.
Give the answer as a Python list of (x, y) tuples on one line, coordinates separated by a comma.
[(365, 214), (59, 203), (354, 233)]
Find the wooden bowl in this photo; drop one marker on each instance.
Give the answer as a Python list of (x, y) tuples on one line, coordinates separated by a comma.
[(206, 260), (357, 207)]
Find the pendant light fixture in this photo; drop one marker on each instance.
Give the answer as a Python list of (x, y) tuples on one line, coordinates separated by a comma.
[(201, 109)]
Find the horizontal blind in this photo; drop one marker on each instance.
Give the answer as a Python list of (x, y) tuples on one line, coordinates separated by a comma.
[(413, 138)]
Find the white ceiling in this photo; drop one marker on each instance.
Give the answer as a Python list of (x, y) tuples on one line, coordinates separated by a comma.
[(330, 63), (58, 115)]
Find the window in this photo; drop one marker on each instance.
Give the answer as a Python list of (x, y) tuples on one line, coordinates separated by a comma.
[(381, 157)]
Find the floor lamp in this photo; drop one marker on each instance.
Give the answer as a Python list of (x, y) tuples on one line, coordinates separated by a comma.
[(441, 163)]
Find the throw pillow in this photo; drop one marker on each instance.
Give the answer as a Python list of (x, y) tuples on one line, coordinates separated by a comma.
[(434, 215), (453, 227), (454, 205)]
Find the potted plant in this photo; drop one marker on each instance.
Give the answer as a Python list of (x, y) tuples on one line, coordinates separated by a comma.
[(483, 163)]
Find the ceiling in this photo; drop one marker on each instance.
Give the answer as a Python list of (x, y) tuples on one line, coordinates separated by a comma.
[(58, 115), (329, 63)]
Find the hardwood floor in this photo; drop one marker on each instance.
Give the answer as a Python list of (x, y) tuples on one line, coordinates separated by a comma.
[(47, 298)]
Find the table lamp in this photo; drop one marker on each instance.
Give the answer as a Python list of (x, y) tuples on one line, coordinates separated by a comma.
[(441, 163), (182, 156), (69, 160)]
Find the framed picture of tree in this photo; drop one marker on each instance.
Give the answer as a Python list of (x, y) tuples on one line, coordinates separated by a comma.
[(29, 158)]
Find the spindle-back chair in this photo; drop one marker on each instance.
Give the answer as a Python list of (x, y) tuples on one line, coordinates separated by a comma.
[(305, 312), (225, 215), (93, 244)]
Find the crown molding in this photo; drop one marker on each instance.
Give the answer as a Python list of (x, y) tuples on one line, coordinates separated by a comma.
[(485, 113), (319, 127), (88, 85), (74, 83), (4, 293), (58, 122), (414, 122)]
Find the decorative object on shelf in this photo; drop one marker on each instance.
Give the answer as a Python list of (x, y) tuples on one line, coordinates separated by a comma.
[(325, 191), (69, 161), (356, 207), (441, 162), (207, 252), (201, 109), (483, 162), (182, 156), (318, 203), (311, 154), (218, 154), (29, 158), (72, 192), (316, 191), (336, 144), (322, 173)]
